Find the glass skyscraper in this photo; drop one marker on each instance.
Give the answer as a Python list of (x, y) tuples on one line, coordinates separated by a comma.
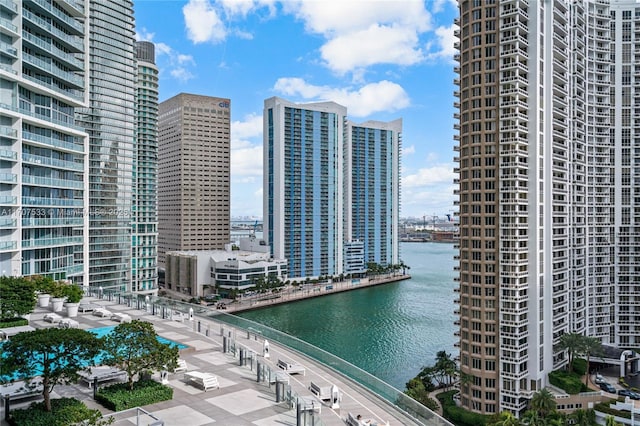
[(110, 121), (144, 227), (43, 154)]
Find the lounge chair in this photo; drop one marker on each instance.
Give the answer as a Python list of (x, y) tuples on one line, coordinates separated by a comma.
[(52, 317), (68, 323), (101, 374), (204, 380), (102, 312), (120, 317), (86, 307), (182, 366)]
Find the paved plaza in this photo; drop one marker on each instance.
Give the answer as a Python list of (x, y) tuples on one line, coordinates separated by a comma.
[(240, 399)]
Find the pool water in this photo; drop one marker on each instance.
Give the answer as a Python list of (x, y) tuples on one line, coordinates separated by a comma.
[(103, 331)]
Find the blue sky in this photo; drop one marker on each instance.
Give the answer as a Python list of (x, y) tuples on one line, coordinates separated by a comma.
[(382, 59)]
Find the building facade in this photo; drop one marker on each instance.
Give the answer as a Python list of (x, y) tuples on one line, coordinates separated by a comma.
[(547, 103), (303, 185), (44, 176), (331, 189), (372, 188), (144, 226), (110, 121), (193, 174)]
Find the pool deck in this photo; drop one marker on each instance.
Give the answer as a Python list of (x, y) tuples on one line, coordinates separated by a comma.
[(240, 398)]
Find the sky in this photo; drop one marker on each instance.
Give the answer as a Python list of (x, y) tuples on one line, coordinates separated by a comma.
[(382, 59)]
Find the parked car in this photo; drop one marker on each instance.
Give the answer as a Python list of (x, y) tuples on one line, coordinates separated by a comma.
[(630, 394), (607, 387), (599, 379)]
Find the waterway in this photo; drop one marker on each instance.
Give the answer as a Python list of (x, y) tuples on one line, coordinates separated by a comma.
[(390, 331)]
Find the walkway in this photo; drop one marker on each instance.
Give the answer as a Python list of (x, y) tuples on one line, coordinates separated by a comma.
[(241, 398)]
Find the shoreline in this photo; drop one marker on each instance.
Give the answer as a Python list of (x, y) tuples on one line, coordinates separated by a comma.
[(292, 294)]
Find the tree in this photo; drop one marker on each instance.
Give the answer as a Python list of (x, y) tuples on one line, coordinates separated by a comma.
[(506, 418), (532, 418), (18, 297), (543, 403), (54, 354), (572, 343), (582, 417), (133, 347), (417, 391), (590, 346)]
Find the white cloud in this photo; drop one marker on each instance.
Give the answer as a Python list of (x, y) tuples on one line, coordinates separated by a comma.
[(368, 99), (181, 74), (246, 162), (144, 35), (177, 64), (444, 43), (376, 44), (246, 150), (203, 22), (409, 150), (251, 127), (434, 175)]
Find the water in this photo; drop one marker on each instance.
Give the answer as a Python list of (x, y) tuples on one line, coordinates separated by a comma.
[(103, 331), (390, 331)]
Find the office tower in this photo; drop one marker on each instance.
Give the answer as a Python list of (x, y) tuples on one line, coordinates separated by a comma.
[(303, 185), (193, 174), (549, 218), (144, 230), (43, 154), (372, 188)]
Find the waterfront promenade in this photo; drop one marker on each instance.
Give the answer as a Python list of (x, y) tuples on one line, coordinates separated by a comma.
[(303, 291), (233, 354)]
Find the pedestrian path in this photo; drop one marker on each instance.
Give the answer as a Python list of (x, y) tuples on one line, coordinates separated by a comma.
[(249, 392)]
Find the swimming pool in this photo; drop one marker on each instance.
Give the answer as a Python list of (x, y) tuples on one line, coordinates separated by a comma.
[(103, 331)]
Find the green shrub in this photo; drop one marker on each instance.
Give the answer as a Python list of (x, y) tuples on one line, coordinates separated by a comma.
[(569, 382), (13, 322), (64, 412), (119, 397), (604, 407), (579, 366), (457, 415)]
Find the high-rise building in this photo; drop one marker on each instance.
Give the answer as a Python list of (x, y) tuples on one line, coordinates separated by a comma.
[(144, 226), (548, 198), (303, 185), (193, 174), (331, 188), (110, 121), (372, 188), (44, 184)]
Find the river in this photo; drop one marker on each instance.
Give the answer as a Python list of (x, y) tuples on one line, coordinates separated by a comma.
[(390, 331)]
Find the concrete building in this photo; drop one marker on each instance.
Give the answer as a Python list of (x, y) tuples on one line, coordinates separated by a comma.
[(193, 174), (331, 188), (144, 226), (303, 185), (198, 273), (372, 188), (548, 163), (110, 121), (44, 155)]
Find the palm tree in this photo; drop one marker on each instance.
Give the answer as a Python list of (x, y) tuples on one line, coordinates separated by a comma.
[(507, 419), (572, 343), (532, 418), (590, 346), (583, 417), (610, 421), (543, 402)]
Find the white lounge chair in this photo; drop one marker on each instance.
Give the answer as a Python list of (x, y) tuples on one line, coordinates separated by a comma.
[(52, 317), (204, 380), (68, 323), (102, 312), (182, 366), (120, 317)]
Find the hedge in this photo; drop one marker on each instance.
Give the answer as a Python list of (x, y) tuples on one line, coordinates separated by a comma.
[(579, 366), (604, 407), (457, 415), (119, 397), (569, 382), (13, 322), (64, 412)]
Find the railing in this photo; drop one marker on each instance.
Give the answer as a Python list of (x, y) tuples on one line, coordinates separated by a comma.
[(166, 307)]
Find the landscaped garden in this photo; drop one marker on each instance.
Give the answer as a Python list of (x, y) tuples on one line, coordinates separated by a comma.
[(45, 358)]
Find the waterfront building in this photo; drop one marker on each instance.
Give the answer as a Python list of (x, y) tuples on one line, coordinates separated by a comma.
[(331, 188), (236, 268), (193, 174), (110, 121), (303, 185), (548, 202), (144, 226), (372, 188), (44, 176)]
